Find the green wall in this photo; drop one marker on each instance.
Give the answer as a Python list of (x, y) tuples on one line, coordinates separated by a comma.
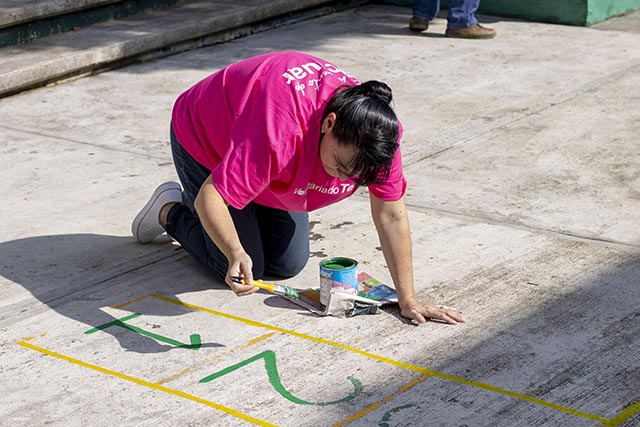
[(574, 12), (554, 11), (599, 10)]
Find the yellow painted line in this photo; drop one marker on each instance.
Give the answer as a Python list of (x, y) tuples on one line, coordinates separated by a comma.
[(415, 368), (34, 337), (376, 405), (179, 393), (623, 416), (216, 357), (258, 339), (124, 304)]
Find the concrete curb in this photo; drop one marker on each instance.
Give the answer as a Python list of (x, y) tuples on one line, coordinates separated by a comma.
[(147, 36), (17, 12)]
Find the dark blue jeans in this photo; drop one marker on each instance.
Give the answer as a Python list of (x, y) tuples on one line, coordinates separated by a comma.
[(461, 12), (277, 241)]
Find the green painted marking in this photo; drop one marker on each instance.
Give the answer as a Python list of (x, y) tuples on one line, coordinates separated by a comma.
[(274, 378), (195, 338), (387, 416)]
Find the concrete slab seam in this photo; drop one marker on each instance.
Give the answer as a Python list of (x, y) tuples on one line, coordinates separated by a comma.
[(88, 144), (487, 218)]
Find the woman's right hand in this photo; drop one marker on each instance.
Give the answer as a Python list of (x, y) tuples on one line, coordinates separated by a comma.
[(214, 216), (240, 266)]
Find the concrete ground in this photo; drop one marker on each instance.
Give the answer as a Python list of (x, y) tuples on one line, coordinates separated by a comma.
[(522, 159)]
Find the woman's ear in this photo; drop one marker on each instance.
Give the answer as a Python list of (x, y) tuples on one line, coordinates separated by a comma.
[(328, 122)]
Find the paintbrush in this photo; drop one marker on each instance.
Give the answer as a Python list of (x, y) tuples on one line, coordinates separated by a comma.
[(274, 288)]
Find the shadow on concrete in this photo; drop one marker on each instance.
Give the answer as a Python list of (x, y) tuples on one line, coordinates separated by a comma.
[(384, 20), (76, 274), (578, 351)]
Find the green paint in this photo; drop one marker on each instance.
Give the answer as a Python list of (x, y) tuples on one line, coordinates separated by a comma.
[(195, 338), (387, 416), (274, 378), (287, 291), (338, 263)]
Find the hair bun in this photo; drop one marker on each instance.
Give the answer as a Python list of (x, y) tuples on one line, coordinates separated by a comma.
[(376, 89)]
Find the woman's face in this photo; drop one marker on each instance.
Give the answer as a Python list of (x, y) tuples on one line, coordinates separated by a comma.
[(335, 157)]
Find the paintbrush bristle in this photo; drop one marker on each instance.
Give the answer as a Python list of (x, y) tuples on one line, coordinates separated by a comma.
[(286, 291)]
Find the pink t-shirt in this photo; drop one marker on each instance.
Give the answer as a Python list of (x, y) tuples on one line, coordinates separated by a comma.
[(256, 125)]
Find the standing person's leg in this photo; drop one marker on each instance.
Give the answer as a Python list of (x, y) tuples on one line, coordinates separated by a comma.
[(285, 239), (462, 13), (427, 9), (423, 12), (184, 225)]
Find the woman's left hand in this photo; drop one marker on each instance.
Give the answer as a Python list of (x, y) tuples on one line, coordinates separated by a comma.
[(419, 311)]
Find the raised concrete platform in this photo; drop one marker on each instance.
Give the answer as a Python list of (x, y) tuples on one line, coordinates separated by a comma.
[(145, 36), (13, 12)]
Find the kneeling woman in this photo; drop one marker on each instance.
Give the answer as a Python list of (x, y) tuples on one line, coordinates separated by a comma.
[(262, 142)]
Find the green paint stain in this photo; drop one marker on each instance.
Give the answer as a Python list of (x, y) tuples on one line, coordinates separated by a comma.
[(274, 378), (387, 416), (195, 338), (285, 290)]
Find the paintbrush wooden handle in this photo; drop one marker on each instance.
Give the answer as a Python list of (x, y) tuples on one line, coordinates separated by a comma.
[(257, 283), (271, 287)]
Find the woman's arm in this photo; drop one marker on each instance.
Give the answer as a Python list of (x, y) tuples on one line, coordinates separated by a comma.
[(216, 220), (392, 224)]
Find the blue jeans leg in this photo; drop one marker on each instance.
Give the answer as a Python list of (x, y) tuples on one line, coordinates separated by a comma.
[(285, 240), (462, 13), (277, 241), (427, 9)]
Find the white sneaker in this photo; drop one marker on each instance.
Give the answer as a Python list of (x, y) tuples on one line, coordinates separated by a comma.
[(146, 226)]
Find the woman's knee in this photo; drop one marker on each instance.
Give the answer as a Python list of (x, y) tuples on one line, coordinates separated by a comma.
[(288, 268)]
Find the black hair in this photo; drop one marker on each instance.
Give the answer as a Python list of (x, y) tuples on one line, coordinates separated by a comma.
[(365, 119)]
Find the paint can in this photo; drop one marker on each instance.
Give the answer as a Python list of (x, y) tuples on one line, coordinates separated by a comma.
[(339, 274)]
